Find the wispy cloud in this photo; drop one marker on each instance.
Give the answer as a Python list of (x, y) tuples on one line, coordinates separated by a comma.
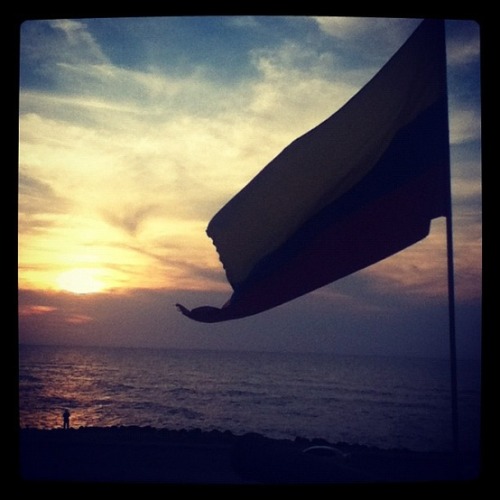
[(39, 197), (421, 270), (60, 40), (130, 219), (465, 124), (40, 206), (367, 28), (35, 310), (463, 46), (78, 37), (374, 39)]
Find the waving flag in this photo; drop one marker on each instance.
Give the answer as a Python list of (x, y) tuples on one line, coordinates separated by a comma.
[(361, 186)]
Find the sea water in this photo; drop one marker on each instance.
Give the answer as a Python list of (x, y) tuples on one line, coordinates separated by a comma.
[(375, 401)]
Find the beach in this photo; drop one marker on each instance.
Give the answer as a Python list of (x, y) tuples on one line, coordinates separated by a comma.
[(140, 455)]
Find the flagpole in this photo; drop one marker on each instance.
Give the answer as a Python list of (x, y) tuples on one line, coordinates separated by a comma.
[(451, 287), (452, 336)]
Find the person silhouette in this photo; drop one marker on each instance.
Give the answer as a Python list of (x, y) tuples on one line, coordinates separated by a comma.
[(66, 416)]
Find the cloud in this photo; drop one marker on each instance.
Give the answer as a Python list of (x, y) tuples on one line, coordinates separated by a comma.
[(420, 271), (465, 124), (39, 205), (349, 28), (77, 42), (46, 46), (246, 22), (179, 144), (365, 39), (294, 85), (467, 193), (350, 294), (147, 156), (463, 43), (148, 318), (123, 163), (130, 219), (39, 197), (35, 310), (78, 319), (460, 52)]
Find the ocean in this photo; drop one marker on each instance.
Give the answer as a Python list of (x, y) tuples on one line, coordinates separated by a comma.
[(387, 402)]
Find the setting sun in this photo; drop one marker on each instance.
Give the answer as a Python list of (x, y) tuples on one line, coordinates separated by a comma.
[(80, 281)]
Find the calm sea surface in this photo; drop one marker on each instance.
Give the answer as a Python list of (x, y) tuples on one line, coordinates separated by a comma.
[(376, 401)]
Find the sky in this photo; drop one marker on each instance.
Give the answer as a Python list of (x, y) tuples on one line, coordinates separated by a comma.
[(134, 132)]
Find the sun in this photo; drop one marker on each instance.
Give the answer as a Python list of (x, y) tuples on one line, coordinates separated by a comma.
[(80, 281)]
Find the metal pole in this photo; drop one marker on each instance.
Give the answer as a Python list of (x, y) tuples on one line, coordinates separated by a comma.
[(451, 280), (453, 350)]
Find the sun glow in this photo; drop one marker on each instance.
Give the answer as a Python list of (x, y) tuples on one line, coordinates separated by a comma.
[(80, 281)]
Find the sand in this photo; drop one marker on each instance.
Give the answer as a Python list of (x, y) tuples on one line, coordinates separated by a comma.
[(139, 455)]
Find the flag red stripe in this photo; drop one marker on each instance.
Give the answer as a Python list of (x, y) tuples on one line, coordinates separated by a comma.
[(377, 231)]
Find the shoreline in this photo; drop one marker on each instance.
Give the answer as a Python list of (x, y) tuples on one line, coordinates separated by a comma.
[(134, 454)]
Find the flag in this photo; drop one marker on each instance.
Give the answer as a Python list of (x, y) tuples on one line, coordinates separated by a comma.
[(361, 186)]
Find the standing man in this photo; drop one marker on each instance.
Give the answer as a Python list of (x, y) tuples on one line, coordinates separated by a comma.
[(66, 416)]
